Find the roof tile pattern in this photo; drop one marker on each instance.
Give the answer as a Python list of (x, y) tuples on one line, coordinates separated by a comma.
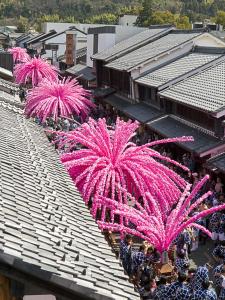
[(129, 43), (217, 162), (204, 91), (44, 220), (11, 85), (151, 50), (176, 69)]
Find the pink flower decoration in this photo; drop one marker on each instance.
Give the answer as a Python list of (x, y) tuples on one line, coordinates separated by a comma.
[(19, 54), (152, 223), (109, 158), (58, 98), (34, 70)]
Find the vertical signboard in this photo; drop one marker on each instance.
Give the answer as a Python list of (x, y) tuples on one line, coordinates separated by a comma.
[(69, 49), (71, 38)]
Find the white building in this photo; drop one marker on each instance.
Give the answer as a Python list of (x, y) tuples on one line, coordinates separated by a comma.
[(127, 20)]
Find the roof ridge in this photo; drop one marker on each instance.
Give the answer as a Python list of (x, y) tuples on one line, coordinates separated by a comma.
[(202, 69), (193, 72), (162, 53), (135, 46)]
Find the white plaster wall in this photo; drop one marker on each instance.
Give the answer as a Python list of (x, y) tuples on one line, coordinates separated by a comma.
[(127, 20), (122, 32), (90, 41), (207, 40), (106, 41), (161, 59)]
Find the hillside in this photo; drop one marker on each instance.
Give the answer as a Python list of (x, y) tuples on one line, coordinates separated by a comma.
[(33, 12)]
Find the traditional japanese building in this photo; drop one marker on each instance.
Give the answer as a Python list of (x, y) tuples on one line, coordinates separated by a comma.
[(144, 76), (49, 243)]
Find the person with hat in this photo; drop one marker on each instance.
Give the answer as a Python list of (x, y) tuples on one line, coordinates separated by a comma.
[(204, 292), (219, 252), (179, 289), (126, 253), (201, 275), (219, 277)]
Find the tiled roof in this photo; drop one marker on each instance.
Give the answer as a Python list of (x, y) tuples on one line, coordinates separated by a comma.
[(9, 85), (117, 102), (142, 112), (151, 50), (82, 71), (204, 90), (217, 162), (44, 222), (129, 44), (79, 54), (170, 126), (8, 100), (176, 69), (6, 72), (39, 37)]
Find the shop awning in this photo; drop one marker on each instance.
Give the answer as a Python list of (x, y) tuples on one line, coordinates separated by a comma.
[(171, 127), (117, 102), (217, 163), (142, 112), (82, 71)]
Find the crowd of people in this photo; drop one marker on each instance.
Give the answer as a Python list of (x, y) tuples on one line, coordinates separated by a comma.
[(143, 265), (182, 282)]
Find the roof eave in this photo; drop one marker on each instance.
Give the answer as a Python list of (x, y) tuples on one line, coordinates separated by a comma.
[(158, 56), (15, 268), (133, 48), (185, 104)]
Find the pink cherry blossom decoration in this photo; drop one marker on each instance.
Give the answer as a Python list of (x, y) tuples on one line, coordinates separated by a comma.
[(34, 71), (109, 158), (19, 54), (58, 98), (152, 223)]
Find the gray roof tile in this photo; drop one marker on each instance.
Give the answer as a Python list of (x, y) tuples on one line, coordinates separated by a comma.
[(151, 50), (217, 162), (204, 90), (176, 69), (47, 213), (129, 44)]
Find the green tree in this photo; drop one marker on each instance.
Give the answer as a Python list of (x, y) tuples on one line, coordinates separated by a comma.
[(23, 24), (166, 17), (182, 22), (161, 17), (145, 13), (46, 18), (220, 17), (103, 19)]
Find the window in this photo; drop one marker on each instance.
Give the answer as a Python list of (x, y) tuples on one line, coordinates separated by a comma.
[(148, 95), (141, 90), (120, 81)]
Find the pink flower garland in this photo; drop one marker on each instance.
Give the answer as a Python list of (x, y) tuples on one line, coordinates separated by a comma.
[(58, 98), (19, 54), (34, 70), (109, 159), (155, 225)]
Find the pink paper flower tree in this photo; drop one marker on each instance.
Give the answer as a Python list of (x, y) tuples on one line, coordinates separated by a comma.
[(19, 54), (58, 98), (34, 71), (109, 158), (150, 222)]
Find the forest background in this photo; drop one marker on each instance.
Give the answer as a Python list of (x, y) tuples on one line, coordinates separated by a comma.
[(32, 13)]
